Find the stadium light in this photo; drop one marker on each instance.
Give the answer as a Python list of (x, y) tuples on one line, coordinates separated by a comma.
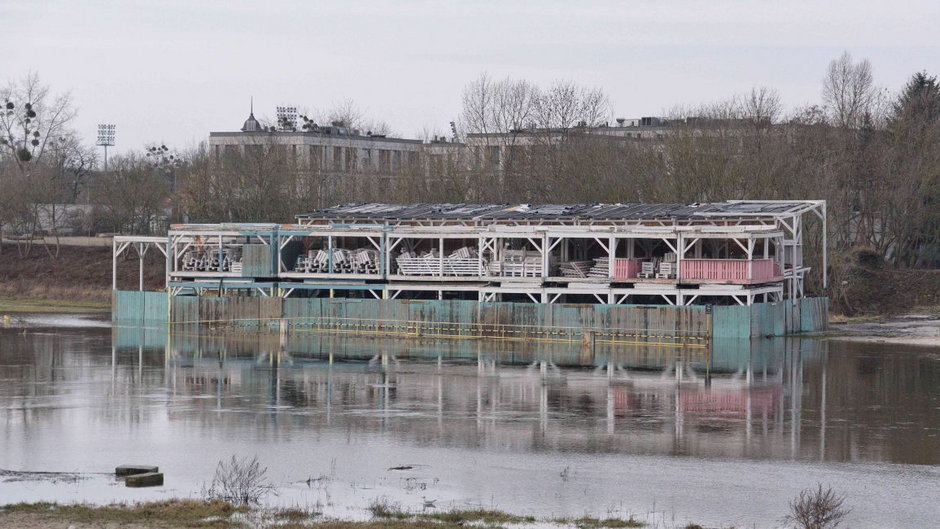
[(105, 139)]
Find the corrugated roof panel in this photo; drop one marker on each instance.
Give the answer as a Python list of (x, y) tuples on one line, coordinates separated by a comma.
[(456, 212)]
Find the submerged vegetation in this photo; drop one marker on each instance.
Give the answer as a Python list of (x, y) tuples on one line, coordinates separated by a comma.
[(587, 522), (819, 508)]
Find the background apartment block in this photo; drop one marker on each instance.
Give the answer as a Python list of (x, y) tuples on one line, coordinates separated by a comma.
[(333, 149)]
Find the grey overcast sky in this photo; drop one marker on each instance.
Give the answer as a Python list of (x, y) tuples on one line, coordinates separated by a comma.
[(173, 70)]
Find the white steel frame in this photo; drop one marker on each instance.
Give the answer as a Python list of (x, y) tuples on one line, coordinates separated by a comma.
[(120, 243), (777, 234)]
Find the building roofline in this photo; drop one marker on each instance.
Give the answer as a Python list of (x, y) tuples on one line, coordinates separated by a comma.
[(239, 134)]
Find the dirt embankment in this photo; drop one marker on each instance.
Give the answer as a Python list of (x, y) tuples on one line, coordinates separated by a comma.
[(79, 274), (861, 285)]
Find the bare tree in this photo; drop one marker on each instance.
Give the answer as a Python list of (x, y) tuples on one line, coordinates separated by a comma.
[(33, 122), (515, 132), (345, 113), (762, 106), (59, 180), (566, 104), (478, 103), (32, 118), (132, 196), (848, 90), (256, 181)]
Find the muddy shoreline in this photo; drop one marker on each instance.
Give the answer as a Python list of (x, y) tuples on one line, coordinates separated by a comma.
[(910, 329), (179, 513)]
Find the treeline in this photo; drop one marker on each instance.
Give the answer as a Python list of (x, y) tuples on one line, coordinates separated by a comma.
[(874, 156)]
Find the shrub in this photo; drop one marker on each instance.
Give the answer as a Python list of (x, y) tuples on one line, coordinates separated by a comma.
[(239, 481), (817, 509), (385, 508)]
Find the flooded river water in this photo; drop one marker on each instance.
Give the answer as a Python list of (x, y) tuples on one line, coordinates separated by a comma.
[(720, 438)]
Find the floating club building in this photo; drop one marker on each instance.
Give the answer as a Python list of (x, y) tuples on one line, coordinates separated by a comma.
[(733, 253)]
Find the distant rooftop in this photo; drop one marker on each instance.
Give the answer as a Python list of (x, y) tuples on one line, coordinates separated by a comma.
[(473, 212)]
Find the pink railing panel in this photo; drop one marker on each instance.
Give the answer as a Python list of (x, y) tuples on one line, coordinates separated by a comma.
[(626, 268), (729, 269)]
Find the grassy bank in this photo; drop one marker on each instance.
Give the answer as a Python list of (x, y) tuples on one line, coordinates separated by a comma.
[(174, 514), (77, 280), (66, 302), (862, 286)]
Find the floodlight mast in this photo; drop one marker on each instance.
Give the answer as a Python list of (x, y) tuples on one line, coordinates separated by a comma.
[(287, 119), (105, 139)]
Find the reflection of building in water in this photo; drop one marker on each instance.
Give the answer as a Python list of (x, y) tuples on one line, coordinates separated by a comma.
[(740, 400), (774, 399)]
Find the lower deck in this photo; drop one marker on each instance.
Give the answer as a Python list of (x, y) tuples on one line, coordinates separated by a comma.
[(650, 292)]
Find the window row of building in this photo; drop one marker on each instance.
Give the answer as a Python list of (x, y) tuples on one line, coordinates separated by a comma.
[(306, 153), (343, 149)]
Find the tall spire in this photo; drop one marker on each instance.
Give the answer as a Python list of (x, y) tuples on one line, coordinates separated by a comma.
[(251, 124)]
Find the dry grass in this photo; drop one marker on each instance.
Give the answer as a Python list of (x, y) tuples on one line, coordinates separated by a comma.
[(294, 514), (30, 291), (461, 517), (384, 524), (170, 513), (384, 508), (175, 514), (70, 300), (78, 273)]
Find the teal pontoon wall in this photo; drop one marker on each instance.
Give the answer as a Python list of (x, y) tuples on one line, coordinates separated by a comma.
[(471, 319), (133, 306), (125, 335), (771, 319)]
